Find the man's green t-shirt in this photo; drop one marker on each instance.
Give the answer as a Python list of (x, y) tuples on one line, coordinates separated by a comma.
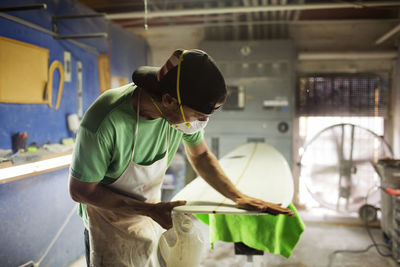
[(105, 139)]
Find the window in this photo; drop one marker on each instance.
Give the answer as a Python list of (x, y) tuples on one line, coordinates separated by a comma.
[(324, 100), (342, 95)]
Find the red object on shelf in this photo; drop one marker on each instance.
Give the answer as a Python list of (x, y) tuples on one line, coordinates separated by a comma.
[(390, 191)]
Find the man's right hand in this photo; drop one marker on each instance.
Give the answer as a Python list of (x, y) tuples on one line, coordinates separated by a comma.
[(161, 213), (92, 193)]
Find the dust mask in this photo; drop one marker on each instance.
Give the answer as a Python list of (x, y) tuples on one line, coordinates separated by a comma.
[(195, 126)]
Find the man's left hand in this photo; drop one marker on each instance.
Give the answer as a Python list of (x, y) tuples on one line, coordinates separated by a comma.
[(254, 204)]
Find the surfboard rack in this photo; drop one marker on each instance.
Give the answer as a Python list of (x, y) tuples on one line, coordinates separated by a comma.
[(56, 19), (24, 7)]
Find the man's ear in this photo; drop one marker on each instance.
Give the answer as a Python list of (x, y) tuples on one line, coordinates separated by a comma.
[(168, 100)]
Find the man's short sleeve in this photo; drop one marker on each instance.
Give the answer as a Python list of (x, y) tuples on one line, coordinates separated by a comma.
[(91, 156), (193, 139)]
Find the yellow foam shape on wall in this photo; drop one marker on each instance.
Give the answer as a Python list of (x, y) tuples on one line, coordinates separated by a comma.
[(55, 65), (23, 72)]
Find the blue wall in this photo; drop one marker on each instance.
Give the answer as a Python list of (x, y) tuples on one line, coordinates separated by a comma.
[(121, 46), (33, 209), (42, 123)]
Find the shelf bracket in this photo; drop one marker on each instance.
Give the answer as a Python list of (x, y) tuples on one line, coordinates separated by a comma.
[(55, 20), (21, 8)]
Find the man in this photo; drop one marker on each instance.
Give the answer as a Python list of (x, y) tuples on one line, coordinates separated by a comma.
[(126, 141)]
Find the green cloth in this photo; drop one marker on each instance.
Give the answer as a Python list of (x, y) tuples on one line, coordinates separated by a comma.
[(274, 234), (105, 139)]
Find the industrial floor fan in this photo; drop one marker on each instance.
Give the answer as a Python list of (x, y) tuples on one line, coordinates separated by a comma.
[(337, 167)]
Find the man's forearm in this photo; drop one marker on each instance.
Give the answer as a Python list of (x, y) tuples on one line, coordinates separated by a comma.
[(102, 197), (207, 166)]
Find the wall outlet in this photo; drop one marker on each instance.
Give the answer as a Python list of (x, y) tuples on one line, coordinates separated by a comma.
[(67, 66), (79, 88)]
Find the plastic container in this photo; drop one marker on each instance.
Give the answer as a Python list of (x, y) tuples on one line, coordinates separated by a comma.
[(396, 228), (182, 245), (389, 171)]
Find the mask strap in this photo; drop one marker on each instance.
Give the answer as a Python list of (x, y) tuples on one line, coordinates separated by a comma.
[(155, 104), (177, 89), (159, 110)]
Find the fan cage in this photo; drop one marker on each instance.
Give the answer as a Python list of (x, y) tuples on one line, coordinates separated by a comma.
[(337, 167)]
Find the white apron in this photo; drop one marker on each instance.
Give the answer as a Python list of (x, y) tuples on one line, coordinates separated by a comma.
[(129, 241)]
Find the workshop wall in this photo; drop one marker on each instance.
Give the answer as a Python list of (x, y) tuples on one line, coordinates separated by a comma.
[(33, 209), (128, 51), (395, 109), (45, 124), (260, 104)]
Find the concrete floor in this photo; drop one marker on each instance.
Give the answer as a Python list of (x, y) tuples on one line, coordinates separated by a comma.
[(81, 262), (314, 249)]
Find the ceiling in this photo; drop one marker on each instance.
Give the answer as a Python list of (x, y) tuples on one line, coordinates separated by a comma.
[(244, 19)]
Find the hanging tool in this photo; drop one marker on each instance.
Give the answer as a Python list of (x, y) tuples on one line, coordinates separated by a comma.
[(56, 64)]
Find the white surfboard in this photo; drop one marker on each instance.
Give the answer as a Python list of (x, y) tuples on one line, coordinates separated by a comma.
[(256, 169)]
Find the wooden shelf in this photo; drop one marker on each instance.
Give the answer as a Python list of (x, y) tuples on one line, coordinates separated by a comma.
[(12, 172)]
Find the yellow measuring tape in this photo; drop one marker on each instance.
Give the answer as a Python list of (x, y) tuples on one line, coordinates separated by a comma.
[(55, 65), (240, 176), (177, 89)]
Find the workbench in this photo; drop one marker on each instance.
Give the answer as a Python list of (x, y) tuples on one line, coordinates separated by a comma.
[(26, 164)]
